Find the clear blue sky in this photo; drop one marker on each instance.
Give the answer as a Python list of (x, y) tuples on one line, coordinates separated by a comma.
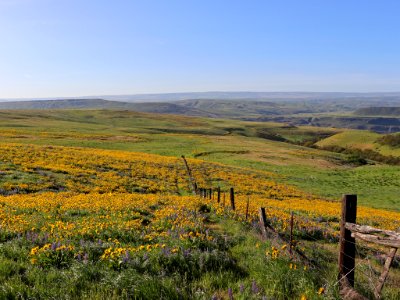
[(94, 47)]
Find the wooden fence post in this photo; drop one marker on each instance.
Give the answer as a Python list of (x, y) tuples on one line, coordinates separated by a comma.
[(263, 222), (291, 233), (247, 207), (190, 176), (223, 203), (219, 195), (210, 193), (232, 195), (347, 249)]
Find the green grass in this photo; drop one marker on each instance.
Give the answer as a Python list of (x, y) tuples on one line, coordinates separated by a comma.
[(376, 185), (242, 267), (275, 275)]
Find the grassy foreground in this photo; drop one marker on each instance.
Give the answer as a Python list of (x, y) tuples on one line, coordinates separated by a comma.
[(212, 258), (131, 246)]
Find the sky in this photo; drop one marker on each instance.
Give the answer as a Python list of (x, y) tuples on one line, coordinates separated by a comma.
[(68, 48)]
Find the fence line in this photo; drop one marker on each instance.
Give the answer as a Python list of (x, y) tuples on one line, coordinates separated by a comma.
[(349, 231)]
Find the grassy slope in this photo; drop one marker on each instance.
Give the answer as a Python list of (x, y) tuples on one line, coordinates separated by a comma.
[(226, 141), (359, 140)]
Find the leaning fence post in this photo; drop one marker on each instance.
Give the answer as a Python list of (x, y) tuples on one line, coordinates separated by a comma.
[(192, 181), (385, 272), (232, 195), (347, 249), (218, 195)]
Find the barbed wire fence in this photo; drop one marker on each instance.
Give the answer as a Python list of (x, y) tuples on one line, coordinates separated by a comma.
[(352, 256)]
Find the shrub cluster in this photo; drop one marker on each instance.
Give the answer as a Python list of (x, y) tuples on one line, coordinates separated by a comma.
[(360, 157), (392, 140)]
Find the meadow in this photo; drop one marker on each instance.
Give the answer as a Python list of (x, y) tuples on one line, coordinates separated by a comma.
[(231, 142), (98, 205)]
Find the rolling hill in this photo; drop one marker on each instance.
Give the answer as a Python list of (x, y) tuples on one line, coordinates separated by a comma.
[(256, 145), (319, 113), (160, 107), (60, 104)]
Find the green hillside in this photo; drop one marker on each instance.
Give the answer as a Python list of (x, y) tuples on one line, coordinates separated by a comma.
[(240, 143), (363, 140)]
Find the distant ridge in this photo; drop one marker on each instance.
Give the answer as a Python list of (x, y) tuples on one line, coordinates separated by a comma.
[(378, 111), (60, 104), (153, 107), (368, 115), (200, 107)]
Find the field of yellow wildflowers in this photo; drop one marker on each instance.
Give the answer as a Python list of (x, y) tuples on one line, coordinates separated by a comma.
[(231, 142), (89, 223)]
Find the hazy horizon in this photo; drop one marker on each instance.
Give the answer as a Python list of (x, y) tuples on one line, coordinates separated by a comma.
[(217, 95)]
